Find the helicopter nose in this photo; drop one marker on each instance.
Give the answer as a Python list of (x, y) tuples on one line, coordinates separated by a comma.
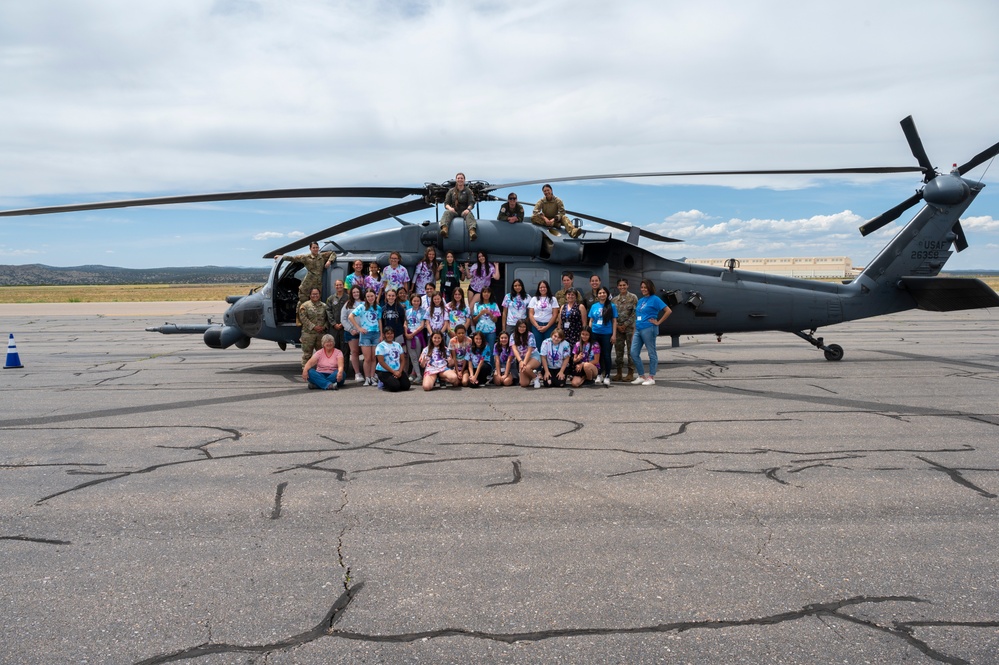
[(246, 314), (946, 190)]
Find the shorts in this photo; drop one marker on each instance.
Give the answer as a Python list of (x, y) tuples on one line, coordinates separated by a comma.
[(349, 336), (370, 338)]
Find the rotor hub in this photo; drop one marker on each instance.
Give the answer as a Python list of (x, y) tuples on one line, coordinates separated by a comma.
[(946, 190)]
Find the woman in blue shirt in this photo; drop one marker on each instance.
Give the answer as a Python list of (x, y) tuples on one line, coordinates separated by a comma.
[(603, 324), (649, 315)]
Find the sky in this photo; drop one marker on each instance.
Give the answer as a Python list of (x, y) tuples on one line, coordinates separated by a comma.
[(116, 99)]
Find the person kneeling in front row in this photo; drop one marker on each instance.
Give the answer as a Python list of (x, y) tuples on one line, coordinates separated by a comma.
[(391, 359)]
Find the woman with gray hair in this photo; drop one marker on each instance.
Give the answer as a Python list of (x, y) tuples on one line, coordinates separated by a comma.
[(325, 369)]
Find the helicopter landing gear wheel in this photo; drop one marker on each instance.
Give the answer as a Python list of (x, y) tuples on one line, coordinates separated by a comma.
[(832, 351)]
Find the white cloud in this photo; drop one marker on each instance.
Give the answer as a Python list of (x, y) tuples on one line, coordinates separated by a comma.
[(110, 99), (985, 224), (4, 251)]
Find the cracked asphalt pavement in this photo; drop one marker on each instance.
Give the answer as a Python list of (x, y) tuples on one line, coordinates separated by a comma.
[(164, 502)]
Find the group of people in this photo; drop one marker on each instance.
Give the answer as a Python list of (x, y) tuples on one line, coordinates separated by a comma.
[(396, 330), (459, 201)]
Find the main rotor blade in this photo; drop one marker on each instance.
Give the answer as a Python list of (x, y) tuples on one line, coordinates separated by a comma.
[(624, 227), (297, 193), (351, 224), (669, 174), (916, 146), (891, 214), (983, 156)]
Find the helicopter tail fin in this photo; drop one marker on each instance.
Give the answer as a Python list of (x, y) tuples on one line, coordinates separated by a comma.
[(925, 244)]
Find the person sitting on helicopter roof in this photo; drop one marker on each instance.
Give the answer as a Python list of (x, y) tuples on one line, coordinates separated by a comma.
[(314, 262), (326, 368), (511, 211), (312, 314), (459, 202), (549, 212)]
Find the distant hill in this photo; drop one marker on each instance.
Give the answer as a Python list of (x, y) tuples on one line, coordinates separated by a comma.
[(41, 275)]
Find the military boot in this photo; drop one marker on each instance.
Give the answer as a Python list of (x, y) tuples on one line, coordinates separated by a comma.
[(631, 375), (617, 376)]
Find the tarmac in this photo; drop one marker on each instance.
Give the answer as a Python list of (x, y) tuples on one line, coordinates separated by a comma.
[(163, 502)]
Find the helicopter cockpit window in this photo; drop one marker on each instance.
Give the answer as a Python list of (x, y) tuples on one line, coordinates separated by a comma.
[(289, 278)]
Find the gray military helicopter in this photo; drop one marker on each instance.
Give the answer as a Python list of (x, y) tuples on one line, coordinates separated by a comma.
[(704, 299)]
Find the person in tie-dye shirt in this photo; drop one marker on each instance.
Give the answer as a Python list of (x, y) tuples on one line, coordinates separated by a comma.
[(515, 305), (394, 276), (459, 346), (585, 359), (436, 314), (555, 355), (503, 361), (480, 365), (435, 361), (415, 332), (457, 312), (485, 313), (426, 271)]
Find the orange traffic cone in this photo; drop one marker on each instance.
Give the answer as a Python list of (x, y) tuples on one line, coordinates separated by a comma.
[(13, 360)]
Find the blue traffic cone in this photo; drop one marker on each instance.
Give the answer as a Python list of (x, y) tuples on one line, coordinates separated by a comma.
[(13, 360)]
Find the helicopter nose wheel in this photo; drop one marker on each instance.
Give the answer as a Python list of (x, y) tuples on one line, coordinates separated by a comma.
[(832, 352)]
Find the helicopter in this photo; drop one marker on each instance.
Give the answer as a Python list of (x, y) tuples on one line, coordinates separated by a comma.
[(704, 299)]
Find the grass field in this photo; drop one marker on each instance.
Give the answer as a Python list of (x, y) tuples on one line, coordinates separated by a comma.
[(162, 292), (120, 293)]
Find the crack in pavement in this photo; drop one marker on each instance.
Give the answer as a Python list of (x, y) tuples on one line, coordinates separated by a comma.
[(655, 467), (43, 541), (321, 629), (576, 425), (903, 630), (115, 475), (516, 476), (769, 473), (957, 477), (147, 408), (276, 512)]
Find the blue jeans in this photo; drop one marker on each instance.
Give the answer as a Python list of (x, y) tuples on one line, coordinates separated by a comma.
[(541, 336), (490, 338), (323, 381), (646, 336), (605, 352)]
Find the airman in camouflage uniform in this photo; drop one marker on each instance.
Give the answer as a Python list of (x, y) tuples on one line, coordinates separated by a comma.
[(567, 278), (549, 212), (459, 202), (626, 303), (314, 262), (312, 314)]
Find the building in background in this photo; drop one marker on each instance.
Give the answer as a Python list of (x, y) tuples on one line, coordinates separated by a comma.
[(814, 266)]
